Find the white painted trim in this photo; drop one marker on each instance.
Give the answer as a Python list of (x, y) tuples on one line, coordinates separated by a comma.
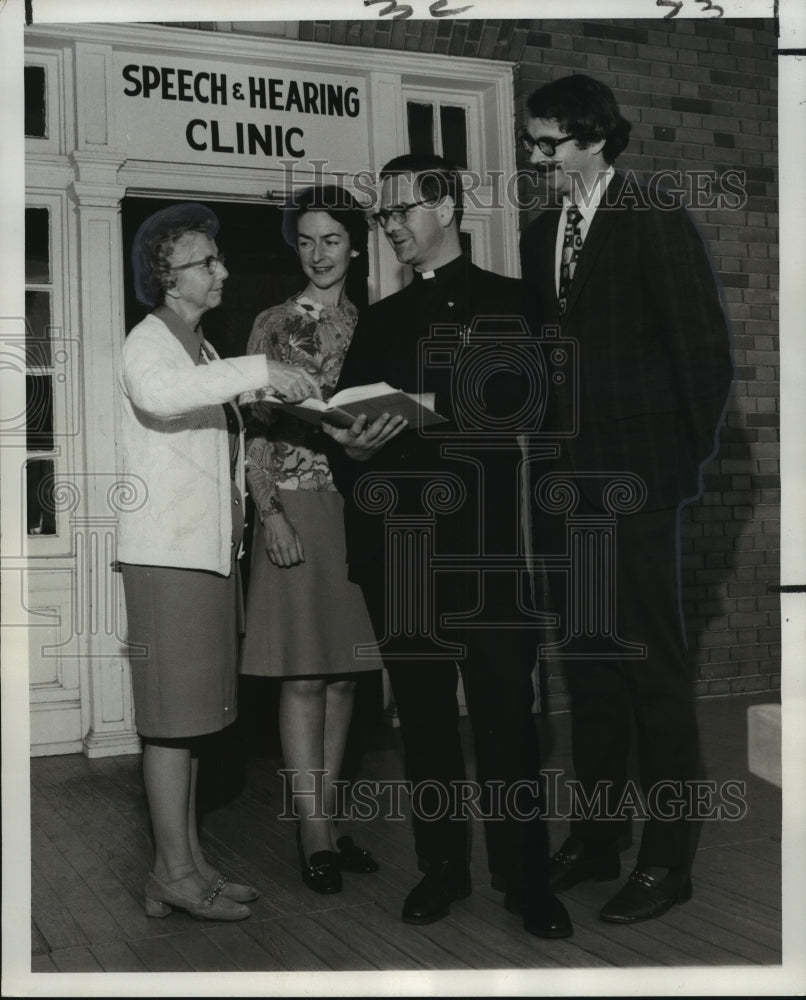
[(54, 142), (470, 100), (66, 380)]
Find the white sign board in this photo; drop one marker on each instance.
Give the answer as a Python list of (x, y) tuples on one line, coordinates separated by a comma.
[(188, 109)]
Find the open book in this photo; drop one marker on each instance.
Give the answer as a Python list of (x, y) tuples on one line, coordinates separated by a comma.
[(374, 400)]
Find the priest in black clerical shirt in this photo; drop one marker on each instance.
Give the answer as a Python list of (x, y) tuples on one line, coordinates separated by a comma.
[(433, 530)]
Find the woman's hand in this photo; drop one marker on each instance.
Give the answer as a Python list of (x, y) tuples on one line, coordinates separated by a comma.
[(360, 441), (283, 545), (290, 383)]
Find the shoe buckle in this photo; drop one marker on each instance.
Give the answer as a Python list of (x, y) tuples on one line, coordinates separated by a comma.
[(217, 889), (644, 879)]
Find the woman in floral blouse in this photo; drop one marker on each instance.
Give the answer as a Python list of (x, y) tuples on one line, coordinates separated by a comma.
[(305, 620)]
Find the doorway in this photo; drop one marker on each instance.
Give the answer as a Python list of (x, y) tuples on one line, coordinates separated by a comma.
[(263, 271)]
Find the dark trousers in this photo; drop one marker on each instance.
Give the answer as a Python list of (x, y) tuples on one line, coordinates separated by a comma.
[(652, 696), (496, 673)]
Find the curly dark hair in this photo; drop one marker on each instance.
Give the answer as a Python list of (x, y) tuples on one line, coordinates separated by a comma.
[(154, 244), (585, 108)]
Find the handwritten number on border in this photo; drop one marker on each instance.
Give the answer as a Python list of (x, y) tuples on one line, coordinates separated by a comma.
[(711, 6), (399, 10), (677, 6), (436, 9)]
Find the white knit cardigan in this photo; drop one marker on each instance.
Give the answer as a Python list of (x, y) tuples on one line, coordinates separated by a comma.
[(175, 449)]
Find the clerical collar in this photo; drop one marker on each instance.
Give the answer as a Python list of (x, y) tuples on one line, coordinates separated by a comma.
[(191, 340), (453, 267)]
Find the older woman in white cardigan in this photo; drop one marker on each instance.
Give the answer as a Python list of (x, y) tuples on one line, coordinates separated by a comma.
[(181, 435)]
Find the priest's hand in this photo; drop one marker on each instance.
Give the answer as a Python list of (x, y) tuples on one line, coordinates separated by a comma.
[(363, 440)]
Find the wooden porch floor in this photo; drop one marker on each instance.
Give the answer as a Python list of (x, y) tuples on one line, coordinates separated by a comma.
[(91, 851)]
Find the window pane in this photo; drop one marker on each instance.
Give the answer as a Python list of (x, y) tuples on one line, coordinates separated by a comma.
[(39, 412), (35, 112), (421, 127), (454, 134), (40, 508), (37, 330), (37, 249)]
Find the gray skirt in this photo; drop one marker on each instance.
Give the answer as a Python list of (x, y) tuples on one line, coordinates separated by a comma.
[(185, 627), (306, 619)]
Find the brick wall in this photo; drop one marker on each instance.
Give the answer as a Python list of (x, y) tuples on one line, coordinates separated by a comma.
[(701, 95)]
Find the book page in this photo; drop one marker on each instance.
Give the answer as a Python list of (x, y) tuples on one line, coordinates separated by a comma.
[(356, 393)]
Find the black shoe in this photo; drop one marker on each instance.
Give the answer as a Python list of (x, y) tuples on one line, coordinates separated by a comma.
[(577, 861), (431, 898), (322, 872), (546, 917), (648, 893), (353, 858)]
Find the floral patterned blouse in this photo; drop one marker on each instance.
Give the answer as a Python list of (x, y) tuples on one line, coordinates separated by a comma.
[(289, 453)]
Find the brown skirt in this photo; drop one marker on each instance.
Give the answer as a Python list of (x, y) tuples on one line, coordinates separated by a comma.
[(306, 619)]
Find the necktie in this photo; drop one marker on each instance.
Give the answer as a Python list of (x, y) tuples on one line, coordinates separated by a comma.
[(572, 245)]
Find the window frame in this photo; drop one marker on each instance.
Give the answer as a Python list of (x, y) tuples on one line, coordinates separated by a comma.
[(53, 141), (438, 96), (65, 381)]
